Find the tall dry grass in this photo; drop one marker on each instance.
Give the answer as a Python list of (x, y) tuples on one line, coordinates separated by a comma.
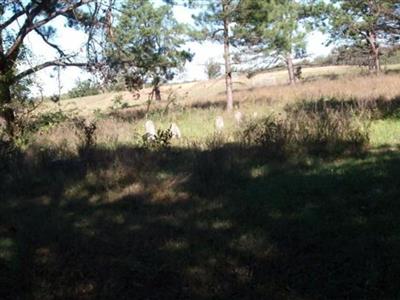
[(311, 129), (348, 87), (195, 115), (215, 222), (339, 82)]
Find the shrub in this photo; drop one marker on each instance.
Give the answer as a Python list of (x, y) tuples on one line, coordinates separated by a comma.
[(27, 123), (162, 140), (273, 134), (86, 132), (118, 103), (117, 84), (311, 128), (212, 69), (84, 88), (391, 55), (50, 119)]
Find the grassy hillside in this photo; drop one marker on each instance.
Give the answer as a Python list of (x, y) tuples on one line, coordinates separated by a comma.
[(299, 201), (194, 106), (205, 91)]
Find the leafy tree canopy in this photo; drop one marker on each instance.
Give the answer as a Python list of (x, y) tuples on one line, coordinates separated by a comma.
[(273, 28), (370, 24), (146, 44), (19, 19)]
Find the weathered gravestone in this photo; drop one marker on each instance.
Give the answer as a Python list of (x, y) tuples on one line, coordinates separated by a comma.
[(238, 117), (219, 123), (176, 133), (150, 130)]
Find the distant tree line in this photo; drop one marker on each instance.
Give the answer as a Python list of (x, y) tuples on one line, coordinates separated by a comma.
[(355, 56), (274, 32), (85, 88)]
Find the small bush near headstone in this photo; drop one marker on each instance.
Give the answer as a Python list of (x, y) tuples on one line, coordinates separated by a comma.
[(162, 140), (86, 132)]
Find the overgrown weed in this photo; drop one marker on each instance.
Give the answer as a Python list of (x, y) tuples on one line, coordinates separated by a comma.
[(311, 129)]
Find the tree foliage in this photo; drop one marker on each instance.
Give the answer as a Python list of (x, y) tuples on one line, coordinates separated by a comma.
[(20, 19), (273, 29), (146, 45), (214, 22), (370, 24), (84, 88), (356, 56)]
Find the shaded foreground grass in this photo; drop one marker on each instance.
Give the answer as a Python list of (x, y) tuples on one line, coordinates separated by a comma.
[(225, 223)]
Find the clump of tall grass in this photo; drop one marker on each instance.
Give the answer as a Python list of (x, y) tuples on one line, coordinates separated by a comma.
[(313, 128), (86, 132)]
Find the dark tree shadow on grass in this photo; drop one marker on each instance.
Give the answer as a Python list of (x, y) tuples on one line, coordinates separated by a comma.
[(209, 105), (392, 72), (380, 108), (188, 224)]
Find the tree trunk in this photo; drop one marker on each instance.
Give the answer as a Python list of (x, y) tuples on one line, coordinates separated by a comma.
[(157, 93), (375, 52), (228, 68), (6, 110), (290, 68), (377, 62), (6, 81)]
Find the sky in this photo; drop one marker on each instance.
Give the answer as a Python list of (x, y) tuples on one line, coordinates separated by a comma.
[(72, 40)]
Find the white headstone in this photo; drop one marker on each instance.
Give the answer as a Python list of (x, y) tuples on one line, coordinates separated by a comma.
[(238, 117), (219, 123), (150, 130), (176, 133)]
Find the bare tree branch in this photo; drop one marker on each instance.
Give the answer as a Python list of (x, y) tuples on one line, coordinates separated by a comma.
[(45, 39), (11, 20), (54, 63), (29, 26), (216, 32)]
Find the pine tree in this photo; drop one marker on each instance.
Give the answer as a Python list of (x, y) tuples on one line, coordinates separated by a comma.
[(273, 29), (372, 24), (215, 22), (146, 44)]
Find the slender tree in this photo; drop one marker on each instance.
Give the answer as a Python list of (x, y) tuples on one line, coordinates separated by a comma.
[(273, 29), (214, 23), (147, 44), (19, 19)]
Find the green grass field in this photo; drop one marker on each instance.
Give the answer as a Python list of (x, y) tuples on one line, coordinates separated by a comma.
[(211, 217), (385, 133)]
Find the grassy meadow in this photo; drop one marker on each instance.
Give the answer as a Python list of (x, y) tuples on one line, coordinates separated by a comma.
[(298, 201)]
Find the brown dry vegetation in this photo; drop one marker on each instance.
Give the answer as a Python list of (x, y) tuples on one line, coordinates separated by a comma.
[(263, 86), (299, 205), (197, 104)]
